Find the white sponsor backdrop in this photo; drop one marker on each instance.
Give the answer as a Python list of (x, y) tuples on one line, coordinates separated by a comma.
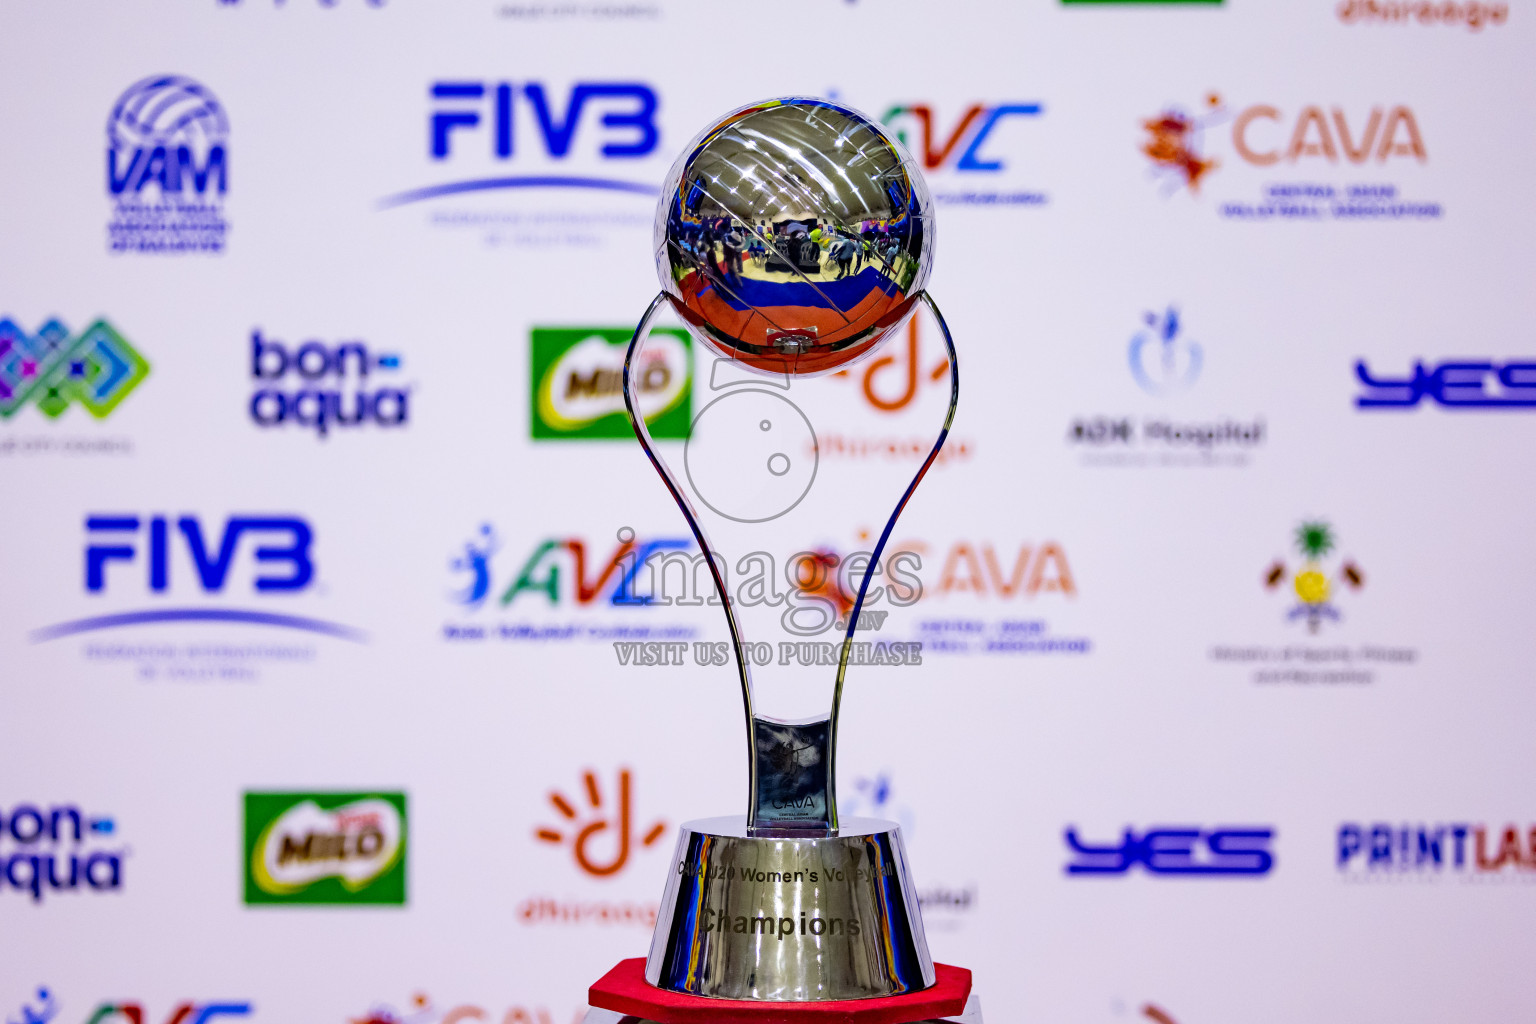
[(1146, 555)]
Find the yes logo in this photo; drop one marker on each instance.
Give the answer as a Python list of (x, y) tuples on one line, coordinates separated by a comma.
[(609, 826), (577, 375), (325, 848), (182, 1013), (1179, 850), (960, 149)]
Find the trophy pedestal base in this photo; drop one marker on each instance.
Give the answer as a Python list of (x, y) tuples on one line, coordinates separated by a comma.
[(623, 995)]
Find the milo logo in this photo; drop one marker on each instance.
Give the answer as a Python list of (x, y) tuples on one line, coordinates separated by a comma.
[(325, 848), (577, 376)]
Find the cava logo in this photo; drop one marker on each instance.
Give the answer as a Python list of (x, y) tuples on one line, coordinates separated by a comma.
[(53, 369), (577, 376), (325, 848)]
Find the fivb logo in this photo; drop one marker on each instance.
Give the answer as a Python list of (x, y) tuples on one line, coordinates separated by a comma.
[(280, 562), (507, 121), (97, 368), (167, 167)]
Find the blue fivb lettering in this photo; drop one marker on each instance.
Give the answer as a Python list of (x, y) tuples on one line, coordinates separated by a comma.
[(628, 116), (284, 541)]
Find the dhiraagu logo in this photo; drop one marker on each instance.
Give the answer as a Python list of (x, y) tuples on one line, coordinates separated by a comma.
[(325, 848), (577, 374)]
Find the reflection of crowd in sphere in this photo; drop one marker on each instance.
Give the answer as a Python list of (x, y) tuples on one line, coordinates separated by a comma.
[(718, 247)]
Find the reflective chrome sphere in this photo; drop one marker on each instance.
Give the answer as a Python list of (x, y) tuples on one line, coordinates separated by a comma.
[(794, 235)]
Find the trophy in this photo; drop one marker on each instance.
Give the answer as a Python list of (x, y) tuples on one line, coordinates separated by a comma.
[(793, 238)]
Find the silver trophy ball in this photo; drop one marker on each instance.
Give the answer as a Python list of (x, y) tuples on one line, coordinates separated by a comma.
[(794, 235)]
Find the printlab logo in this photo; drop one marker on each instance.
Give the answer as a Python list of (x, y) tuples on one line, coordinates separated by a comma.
[(577, 376), (51, 369), (503, 125), (1383, 852), (1163, 360), (1312, 582), (1306, 141), (973, 145), (1454, 384), (419, 1010), (58, 849), (182, 1013), (1473, 15), (1176, 851), (325, 848), (167, 168), (335, 386)]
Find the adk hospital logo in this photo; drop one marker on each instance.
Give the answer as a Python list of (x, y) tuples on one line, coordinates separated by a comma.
[(1344, 161), (167, 168)]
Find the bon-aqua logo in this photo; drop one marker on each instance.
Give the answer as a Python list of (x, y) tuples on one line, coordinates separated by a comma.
[(58, 849), (332, 848), (975, 144), (1383, 141), (167, 168), (577, 377), (322, 400), (1313, 583), (53, 369)]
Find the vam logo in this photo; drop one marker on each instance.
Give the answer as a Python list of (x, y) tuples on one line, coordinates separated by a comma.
[(325, 848), (578, 391), (975, 144), (167, 168), (506, 121)]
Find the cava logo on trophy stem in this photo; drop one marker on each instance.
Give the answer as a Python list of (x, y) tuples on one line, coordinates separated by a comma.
[(97, 368), (421, 1011), (325, 848), (58, 849), (506, 121), (167, 163), (577, 376), (121, 545), (1313, 585), (1455, 384), (182, 1013), (1381, 851), (1309, 139), (321, 372), (973, 145), (1177, 851), (601, 836)]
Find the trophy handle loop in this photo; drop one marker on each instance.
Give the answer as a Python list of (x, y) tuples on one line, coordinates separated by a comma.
[(637, 421), (885, 535)]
